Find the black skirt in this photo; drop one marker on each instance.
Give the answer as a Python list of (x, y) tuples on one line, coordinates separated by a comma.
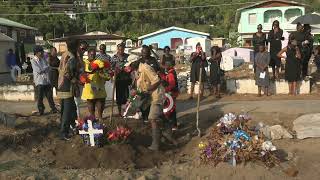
[(195, 70), (215, 73)]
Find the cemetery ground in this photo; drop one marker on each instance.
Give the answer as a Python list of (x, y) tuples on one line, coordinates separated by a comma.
[(33, 150)]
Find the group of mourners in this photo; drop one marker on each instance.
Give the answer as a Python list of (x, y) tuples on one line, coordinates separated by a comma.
[(298, 53), (149, 78), (143, 75)]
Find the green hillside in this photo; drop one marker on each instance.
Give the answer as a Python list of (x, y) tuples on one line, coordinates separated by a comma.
[(131, 17)]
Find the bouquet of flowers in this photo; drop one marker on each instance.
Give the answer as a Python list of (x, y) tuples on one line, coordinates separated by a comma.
[(119, 135), (232, 140), (103, 69)]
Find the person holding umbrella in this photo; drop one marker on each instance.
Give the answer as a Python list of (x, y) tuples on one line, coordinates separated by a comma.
[(307, 48)]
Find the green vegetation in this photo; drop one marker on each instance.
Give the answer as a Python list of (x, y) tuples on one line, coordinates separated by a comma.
[(217, 20)]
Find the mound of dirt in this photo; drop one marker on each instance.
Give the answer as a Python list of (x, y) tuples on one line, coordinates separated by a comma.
[(41, 146)]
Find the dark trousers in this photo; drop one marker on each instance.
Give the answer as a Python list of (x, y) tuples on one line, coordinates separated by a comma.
[(44, 91), (68, 115), (145, 113), (305, 64), (173, 119)]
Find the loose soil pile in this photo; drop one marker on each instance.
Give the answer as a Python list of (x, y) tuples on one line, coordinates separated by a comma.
[(40, 142), (33, 149)]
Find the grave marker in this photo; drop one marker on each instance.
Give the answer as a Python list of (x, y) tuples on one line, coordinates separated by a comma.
[(91, 132)]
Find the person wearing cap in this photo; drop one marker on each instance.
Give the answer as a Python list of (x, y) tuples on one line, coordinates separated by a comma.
[(148, 82), (198, 60), (293, 64), (41, 80), (307, 48), (123, 79), (68, 88)]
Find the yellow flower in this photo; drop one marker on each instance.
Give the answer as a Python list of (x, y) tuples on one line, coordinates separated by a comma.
[(201, 145), (100, 63)]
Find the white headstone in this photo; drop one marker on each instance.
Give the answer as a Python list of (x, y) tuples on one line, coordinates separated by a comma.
[(307, 126), (91, 132)]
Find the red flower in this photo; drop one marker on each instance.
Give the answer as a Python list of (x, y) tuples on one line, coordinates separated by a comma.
[(119, 134), (84, 78), (107, 64), (94, 66)]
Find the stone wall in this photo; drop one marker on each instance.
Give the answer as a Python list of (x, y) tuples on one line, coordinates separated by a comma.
[(15, 92), (247, 86)]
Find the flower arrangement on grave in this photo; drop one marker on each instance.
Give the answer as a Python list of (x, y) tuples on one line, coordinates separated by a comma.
[(233, 141), (118, 135), (90, 130)]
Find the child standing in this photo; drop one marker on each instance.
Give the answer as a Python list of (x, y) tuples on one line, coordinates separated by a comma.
[(171, 87)]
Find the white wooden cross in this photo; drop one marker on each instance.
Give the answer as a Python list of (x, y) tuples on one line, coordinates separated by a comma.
[(91, 132)]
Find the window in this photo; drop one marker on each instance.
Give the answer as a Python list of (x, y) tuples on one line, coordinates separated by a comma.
[(3, 30), (272, 15), (23, 33), (155, 45), (291, 14), (110, 46), (252, 18)]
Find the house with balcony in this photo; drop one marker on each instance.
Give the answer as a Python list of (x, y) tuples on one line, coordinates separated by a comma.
[(265, 12)]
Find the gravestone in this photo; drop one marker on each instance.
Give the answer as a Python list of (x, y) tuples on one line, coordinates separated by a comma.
[(91, 132), (307, 126)]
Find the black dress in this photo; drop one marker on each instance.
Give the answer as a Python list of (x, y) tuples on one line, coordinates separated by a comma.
[(292, 71), (215, 71), (275, 47), (123, 79), (54, 73), (259, 40), (195, 69), (169, 58)]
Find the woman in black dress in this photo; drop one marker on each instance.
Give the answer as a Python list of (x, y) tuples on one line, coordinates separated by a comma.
[(259, 38), (275, 38), (215, 71), (198, 59), (293, 65), (123, 78), (54, 63)]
